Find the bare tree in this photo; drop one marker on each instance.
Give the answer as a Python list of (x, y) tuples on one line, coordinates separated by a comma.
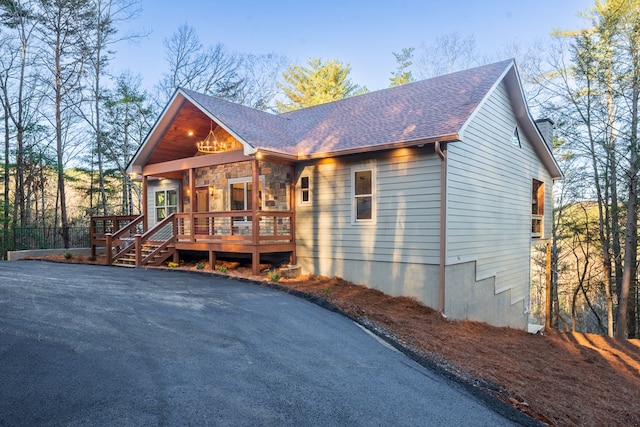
[(19, 17), (595, 85), (259, 75), (64, 52), (211, 70), (450, 52), (102, 35)]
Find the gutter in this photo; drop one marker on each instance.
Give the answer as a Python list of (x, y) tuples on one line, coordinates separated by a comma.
[(443, 223)]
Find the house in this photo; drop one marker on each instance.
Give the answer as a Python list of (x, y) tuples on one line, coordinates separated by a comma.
[(437, 190)]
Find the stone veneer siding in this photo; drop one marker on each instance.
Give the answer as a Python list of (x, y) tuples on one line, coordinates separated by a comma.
[(275, 195)]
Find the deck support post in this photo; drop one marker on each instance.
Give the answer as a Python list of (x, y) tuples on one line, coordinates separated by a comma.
[(212, 260), (255, 261), (92, 233), (138, 249), (108, 248)]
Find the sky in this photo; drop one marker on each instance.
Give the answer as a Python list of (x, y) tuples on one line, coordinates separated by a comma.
[(363, 34)]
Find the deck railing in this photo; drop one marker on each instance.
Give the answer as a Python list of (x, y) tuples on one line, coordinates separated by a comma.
[(120, 226), (235, 226), (122, 234)]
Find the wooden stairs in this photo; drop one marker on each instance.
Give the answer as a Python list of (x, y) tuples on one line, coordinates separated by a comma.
[(152, 253), (126, 248)]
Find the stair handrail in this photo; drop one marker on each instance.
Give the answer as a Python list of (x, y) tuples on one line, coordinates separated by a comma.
[(111, 238), (151, 255), (140, 239), (158, 226)]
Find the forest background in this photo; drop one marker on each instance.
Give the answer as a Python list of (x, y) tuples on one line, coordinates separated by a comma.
[(70, 127)]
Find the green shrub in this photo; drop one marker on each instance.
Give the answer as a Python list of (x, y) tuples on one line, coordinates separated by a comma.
[(200, 266), (221, 269), (68, 255), (171, 264), (274, 276)]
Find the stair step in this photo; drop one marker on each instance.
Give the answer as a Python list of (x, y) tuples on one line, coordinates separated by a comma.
[(120, 264)]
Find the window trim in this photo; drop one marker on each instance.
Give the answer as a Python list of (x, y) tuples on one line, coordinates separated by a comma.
[(515, 138), (246, 180), (168, 208), (302, 191), (537, 208), (365, 167)]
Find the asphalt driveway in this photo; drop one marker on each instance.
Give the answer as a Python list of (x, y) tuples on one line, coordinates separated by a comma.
[(92, 345)]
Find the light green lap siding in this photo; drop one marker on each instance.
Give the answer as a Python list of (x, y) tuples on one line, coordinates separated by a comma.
[(489, 198), (395, 253)]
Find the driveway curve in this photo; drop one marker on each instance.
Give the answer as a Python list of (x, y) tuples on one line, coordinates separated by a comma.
[(93, 345)]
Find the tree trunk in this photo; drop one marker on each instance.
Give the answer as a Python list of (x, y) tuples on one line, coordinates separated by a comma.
[(631, 235), (64, 222)]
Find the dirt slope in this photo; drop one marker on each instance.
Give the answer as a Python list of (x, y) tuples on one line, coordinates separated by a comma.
[(558, 378)]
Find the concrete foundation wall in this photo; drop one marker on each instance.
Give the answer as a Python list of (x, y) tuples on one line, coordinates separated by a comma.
[(466, 298), (393, 278)]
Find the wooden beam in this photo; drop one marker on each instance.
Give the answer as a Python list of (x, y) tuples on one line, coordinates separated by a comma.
[(194, 162)]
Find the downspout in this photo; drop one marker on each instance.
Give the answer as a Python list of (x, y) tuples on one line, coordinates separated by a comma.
[(443, 223)]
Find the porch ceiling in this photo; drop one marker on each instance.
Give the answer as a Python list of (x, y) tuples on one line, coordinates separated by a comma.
[(178, 141)]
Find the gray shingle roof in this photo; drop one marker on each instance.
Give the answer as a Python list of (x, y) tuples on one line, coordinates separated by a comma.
[(424, 110)]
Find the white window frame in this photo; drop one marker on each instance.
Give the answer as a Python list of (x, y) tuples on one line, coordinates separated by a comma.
[(515, 138), (168, 208), (366, 167), (245, 180), (537, 199), (302, 191)]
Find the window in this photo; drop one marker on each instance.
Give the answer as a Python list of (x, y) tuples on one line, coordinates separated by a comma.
[(363, 194), (166, 203), (537, 208), (305, 191), (240, 194), (515, 138)]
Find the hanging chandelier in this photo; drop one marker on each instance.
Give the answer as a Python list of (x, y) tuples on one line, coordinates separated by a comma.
[(211, 144)]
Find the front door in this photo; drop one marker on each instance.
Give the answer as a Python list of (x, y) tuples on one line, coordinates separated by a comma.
[(202, 205)]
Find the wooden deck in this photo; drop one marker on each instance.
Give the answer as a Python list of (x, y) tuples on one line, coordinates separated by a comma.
[(211, 232)]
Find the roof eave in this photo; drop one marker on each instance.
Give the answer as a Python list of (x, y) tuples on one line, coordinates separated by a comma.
[(383, 147), (155, 133), (249, 149)]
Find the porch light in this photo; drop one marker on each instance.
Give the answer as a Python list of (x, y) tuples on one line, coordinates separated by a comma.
[(211, 144)]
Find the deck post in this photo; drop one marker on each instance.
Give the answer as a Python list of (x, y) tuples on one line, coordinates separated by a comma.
[(145, 202), (212, 260), (292, 200), (255, 200), (138, 249), (292, 222), (92, 233), (255, 219), (108, 248), (255, 261)]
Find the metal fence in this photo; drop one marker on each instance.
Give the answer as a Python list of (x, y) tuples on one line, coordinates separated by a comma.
[(27, 238)]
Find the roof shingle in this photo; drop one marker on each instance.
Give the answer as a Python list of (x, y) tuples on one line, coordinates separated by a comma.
[(423, 110)]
